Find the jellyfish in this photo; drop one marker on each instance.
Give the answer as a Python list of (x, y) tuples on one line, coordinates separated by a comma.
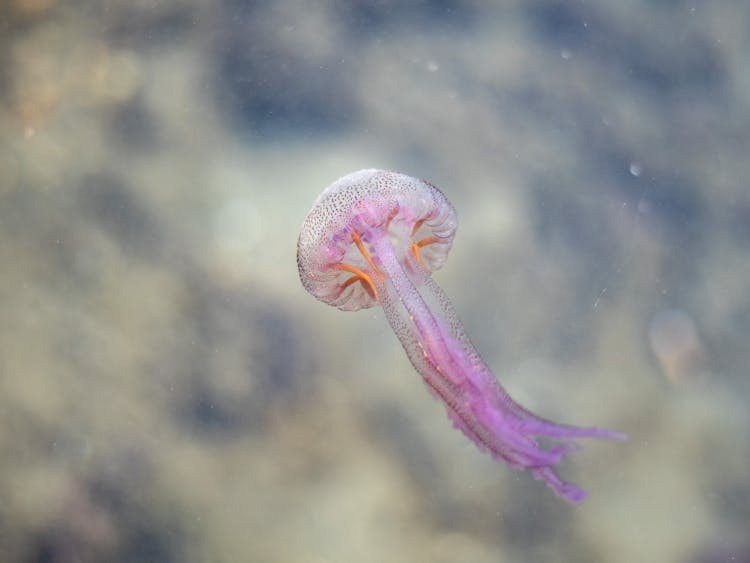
[(375, 237)]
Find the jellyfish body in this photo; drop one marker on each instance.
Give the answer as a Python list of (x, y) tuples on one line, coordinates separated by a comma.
[(374, 237)]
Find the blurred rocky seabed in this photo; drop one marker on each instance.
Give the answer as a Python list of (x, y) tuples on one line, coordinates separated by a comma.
[(171, 393)]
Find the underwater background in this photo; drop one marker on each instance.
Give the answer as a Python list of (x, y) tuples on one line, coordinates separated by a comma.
[(169, 391)]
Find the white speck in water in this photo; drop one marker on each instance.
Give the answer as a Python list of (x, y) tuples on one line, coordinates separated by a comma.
[(635, 169), (432, 66), (565, 54), (601, 294)]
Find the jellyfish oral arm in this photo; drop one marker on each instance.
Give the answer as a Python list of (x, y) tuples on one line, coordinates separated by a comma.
[(442, 353)]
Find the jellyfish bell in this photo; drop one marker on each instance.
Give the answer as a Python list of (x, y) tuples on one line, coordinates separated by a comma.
[(334, 251)]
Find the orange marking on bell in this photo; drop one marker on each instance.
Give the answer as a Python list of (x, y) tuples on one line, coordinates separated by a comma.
[(359, 275), (416, 227), (419, 244), (415, 252), (426, 241), (363, 251), (391, 215)]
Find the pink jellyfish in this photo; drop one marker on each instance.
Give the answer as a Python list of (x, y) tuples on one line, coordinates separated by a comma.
[(375, 236)]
